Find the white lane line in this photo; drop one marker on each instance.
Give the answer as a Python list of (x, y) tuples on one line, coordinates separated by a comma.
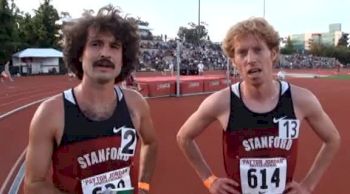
[(22, 107), (12, 171), (16, 184), (18, 179)]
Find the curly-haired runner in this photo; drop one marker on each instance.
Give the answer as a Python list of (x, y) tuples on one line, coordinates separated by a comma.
[(89, 134)]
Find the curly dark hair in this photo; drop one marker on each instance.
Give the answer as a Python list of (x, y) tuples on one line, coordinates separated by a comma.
[(107, 20)]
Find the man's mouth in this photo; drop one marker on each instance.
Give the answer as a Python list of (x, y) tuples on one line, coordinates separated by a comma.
[(254, 70)]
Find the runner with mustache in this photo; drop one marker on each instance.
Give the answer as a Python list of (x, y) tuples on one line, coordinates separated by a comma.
[(260, 117), (89, 135)]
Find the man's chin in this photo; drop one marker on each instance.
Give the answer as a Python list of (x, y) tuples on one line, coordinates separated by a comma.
[(104, 79)]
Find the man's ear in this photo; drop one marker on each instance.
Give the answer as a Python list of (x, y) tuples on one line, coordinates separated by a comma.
[(232, 61), (274, 55)]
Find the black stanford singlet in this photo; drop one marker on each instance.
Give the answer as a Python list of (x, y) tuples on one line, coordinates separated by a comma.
[(94, 156), (260, 149)]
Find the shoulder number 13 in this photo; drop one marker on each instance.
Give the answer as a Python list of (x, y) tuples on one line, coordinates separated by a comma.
[(289, 129)]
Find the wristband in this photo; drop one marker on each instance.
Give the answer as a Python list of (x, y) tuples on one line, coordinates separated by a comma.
[(209, 181), (143, 186)]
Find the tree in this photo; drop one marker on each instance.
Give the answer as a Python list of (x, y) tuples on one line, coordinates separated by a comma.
[(343, 41), (27, 31), (65, 15), (144, 30), (288, 48), (45, 26), (194, 34), (8, 31), (316, 49), (342, 54), (88, 12)]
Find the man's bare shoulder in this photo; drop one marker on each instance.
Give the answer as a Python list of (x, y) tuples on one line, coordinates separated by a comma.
[(305, 101), (218, 101), (133, 95), (135, 101), (220, 95), (48, 120), (50, 109), (301, 94), (53, 103)]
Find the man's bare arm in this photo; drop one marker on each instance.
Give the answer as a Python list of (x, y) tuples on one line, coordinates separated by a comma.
[(40, 148), (149, 145), (326, 131), (209, 111)]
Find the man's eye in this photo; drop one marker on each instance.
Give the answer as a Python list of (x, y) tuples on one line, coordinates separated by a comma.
[(242, 53), (95, 43), (116, 46)]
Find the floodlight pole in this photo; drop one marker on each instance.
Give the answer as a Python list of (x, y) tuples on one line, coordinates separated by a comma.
[(228, 72), (199, 12), (264, 9), (178, 61)]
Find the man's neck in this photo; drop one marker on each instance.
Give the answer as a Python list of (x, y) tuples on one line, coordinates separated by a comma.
[(262, 92), (96, 103), (96, 93)]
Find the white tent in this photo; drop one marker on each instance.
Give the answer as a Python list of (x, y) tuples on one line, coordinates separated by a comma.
[(37, 60)]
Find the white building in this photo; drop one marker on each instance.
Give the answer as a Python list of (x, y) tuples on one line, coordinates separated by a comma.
[(330, 38), (37, 60)]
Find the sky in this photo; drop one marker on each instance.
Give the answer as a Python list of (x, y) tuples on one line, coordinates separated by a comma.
[(166, 16)]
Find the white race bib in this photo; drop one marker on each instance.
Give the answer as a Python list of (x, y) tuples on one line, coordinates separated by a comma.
[(112, 180), (263, 175), (288, 128)]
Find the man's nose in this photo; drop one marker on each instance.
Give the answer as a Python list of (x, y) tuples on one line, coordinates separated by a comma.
[(251, 57), (105, 52)]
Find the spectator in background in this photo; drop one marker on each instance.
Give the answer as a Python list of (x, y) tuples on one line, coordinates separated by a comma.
[(171, 68), (281, 75), (200, 67)]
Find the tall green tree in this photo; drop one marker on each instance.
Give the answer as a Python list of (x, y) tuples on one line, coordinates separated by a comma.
[(316, 49), (45, 25), (288, 48), (27, 31), (343, 41), (194, 34), (8, 31)]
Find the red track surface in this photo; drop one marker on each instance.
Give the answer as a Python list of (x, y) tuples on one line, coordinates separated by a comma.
[(173, 174)]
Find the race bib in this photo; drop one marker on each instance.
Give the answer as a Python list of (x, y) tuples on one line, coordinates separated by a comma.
[(263, 175), (110, 181), (288, 128), (129, 140)]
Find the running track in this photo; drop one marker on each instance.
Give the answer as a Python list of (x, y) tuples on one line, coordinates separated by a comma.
[(173, 174)]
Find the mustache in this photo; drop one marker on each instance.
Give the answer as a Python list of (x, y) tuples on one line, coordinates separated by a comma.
[(103, 63)]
